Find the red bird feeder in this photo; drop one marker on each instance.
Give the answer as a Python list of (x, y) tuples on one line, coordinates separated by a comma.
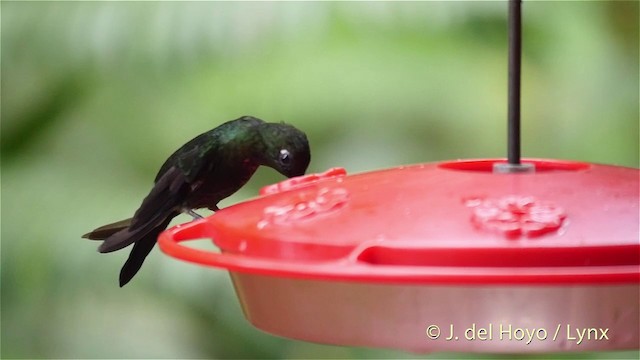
[(413, 257), (478, 255)]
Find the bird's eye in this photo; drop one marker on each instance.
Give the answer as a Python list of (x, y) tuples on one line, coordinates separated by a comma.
[(285, 157)]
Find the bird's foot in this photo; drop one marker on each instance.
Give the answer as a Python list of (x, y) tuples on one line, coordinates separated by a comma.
[(193, 214)]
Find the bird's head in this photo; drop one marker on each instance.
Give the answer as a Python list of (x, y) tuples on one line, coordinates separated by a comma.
[(286, 149)]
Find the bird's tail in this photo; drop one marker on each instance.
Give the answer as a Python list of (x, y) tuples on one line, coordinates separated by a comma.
[(141, 249), (106, 231), (119, 235)]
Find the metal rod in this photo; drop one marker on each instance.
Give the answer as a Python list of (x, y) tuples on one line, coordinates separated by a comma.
[(515, 54)]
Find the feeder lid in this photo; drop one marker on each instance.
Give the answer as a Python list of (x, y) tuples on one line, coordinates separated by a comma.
[(452, 222)]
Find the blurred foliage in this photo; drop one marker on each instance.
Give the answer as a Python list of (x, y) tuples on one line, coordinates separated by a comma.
[(95, 95)]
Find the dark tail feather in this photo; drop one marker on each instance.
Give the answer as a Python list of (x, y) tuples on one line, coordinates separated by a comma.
[(128, 236), (140, 250), (105, 231)]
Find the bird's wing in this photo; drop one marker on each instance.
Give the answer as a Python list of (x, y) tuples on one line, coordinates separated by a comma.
[(199, 160), (191, 158), (164, 199)]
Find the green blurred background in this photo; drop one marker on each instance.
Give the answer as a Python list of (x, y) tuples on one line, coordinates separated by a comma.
[(95, 95)]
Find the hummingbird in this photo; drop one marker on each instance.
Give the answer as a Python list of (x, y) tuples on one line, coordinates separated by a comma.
[(205, 170)]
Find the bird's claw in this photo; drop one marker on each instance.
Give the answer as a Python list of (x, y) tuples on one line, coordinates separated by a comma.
[(194, 215)]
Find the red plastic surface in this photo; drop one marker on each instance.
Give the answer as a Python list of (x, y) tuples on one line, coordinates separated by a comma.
[(441, 223), (300, 181)]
